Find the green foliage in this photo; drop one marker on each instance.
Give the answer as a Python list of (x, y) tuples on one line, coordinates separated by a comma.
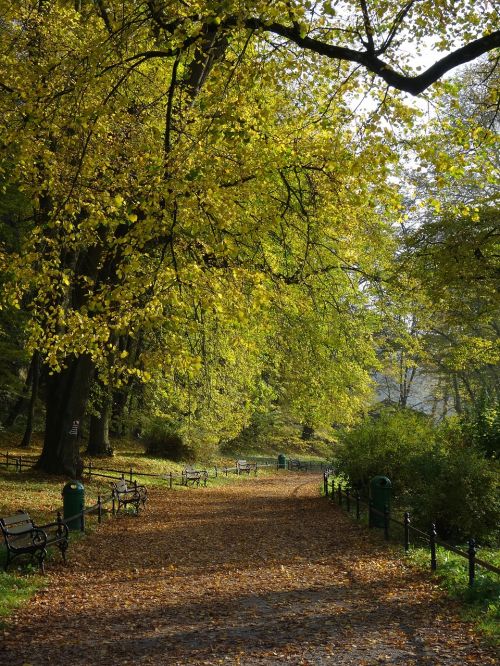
[(197, 229), (384, 445), (162, 441), (15, 590), (457, 488), (482, 601), (272, 431), (481, 425), (434, 472)]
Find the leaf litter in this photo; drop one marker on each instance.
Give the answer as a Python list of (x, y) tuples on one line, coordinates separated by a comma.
[(262, 573)]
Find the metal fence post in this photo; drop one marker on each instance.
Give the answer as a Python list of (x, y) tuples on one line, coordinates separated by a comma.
[(131, 475), (407, 531), (59, 524), (114, 504), (348, 499), (339, 493), (99, 509), (472, 561), (432, 540), (171, 481), (215, 468), (325, 484)]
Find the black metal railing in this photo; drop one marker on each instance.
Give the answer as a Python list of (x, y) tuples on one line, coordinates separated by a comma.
[(340, 491)]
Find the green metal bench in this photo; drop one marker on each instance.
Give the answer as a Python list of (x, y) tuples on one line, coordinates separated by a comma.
[(23, 537), (192, 475), (126, 494)]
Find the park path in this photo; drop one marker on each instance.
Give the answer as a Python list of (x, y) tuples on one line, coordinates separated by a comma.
[(261, 572)]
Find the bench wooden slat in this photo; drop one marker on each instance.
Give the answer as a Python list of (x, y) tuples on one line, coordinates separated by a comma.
[(20, 529), (16, 518)]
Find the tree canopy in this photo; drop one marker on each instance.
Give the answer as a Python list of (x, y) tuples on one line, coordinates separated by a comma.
[(194, 202)]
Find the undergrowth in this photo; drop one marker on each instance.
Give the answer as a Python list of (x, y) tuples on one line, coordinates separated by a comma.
[(481, 602)]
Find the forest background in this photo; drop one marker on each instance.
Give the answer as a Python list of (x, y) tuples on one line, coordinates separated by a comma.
[(232, 226)]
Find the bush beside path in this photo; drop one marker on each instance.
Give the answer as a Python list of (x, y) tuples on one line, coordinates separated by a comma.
[(262, 573)]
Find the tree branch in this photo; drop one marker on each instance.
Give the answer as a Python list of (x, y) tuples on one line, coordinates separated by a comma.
[(412, 84)]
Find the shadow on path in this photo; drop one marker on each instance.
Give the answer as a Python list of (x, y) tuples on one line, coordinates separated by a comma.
[(264, 573)]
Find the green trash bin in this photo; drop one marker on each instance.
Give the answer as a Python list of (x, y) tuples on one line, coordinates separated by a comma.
[(380, 497), (281, 461), (73, 495)]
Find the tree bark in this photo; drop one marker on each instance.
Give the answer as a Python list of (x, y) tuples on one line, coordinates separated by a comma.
[(35, 381), (67, 394), (98, 444)]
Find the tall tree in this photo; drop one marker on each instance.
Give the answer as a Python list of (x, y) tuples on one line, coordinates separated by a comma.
[(175, 157)]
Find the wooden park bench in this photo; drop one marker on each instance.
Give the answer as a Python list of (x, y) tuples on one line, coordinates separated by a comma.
[(192, 475), (244, 466), (297, 464), (129, 493), (23, 537)]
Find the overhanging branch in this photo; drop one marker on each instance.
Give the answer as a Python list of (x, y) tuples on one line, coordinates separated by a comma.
[(412, 84)]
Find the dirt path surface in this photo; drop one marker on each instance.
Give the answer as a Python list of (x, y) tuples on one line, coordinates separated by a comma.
[(262, 572)]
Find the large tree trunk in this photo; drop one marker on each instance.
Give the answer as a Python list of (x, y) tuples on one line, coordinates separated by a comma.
[(67, 394), (35, 380), (98, 444)]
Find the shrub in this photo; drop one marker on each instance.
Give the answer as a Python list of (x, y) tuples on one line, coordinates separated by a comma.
[(435, 472), (383, 445), (480, 425), (162, 441), (457, 488)]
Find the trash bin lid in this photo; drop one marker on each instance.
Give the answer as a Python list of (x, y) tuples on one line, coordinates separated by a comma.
[(71, 486), (380, 481)]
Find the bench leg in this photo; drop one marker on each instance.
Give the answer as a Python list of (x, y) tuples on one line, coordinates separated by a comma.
[(63, 547), (41, 560)]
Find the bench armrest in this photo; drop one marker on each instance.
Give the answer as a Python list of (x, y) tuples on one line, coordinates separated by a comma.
[(60, 526), (36, 534)]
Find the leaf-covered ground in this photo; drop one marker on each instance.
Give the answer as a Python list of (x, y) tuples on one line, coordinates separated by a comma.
[(260, 573)]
